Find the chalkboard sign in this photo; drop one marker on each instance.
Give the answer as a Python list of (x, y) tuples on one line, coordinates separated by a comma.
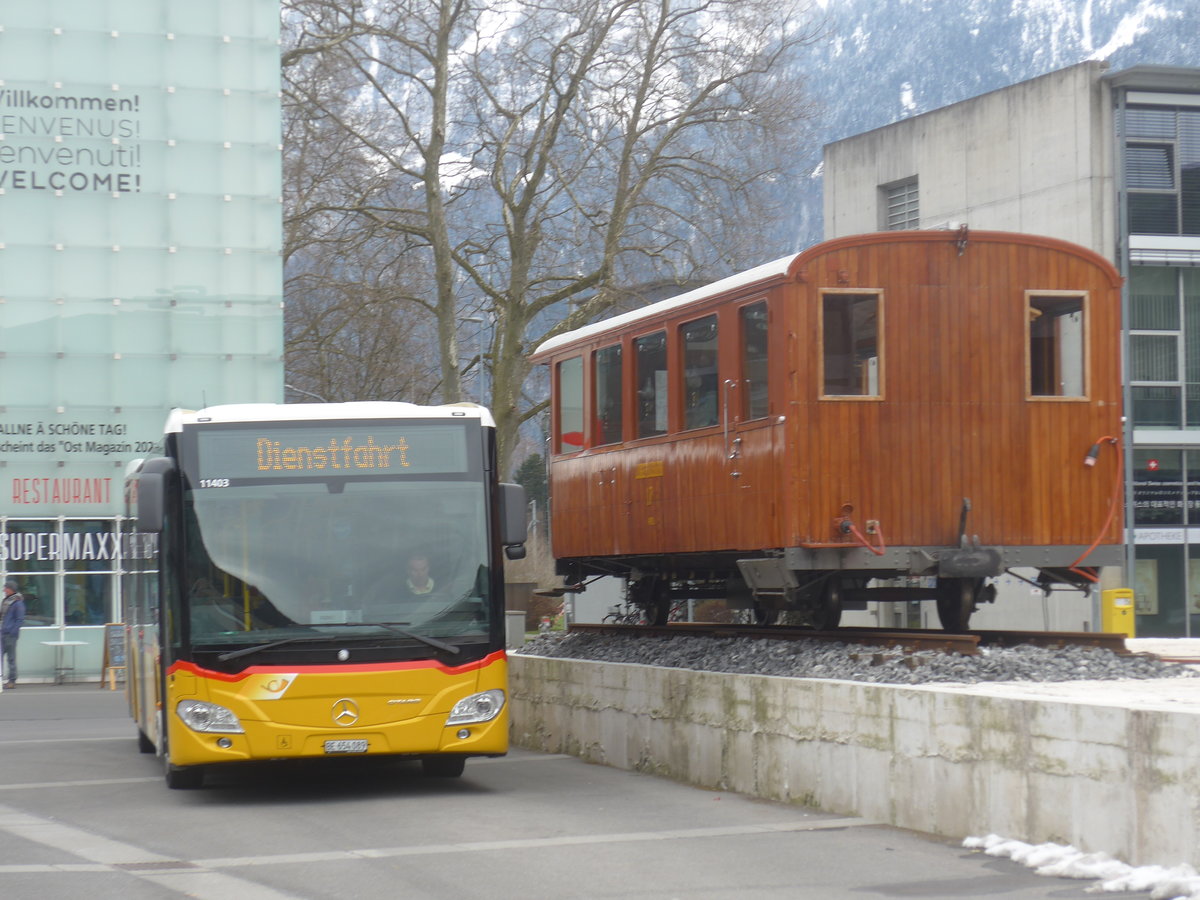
[(114, 651)]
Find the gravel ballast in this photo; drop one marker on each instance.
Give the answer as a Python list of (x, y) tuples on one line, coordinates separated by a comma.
[(854, 662)]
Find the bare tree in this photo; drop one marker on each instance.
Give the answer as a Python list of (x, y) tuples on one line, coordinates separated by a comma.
[(529, 160), (348, 331)]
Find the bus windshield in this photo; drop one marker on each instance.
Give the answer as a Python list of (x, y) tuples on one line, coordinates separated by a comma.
[(296, 531), (268, 560)]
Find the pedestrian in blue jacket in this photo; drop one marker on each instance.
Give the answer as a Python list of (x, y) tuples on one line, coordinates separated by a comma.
[(12, 617)]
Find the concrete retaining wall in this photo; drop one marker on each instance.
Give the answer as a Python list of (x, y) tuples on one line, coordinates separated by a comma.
[(941, 760)]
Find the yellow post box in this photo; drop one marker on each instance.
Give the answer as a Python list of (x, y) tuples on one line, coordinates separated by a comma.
[(1116, 612)]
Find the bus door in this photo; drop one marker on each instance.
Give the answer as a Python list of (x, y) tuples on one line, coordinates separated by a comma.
[(143, 655)]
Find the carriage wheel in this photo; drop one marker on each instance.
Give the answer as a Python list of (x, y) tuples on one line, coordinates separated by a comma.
[(765, 615), (956, 602), (658, 609), (827, 614), (651, 595)]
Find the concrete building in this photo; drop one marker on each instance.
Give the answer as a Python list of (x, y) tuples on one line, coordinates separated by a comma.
[(139, 270), (1109, 160)]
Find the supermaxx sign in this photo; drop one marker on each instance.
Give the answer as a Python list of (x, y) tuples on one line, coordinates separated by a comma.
[(48, 546)]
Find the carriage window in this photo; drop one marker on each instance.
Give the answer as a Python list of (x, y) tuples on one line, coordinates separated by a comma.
[(570, 405), (608, 395), (700, 382), (754, 361), (650, 353), (1056, 345), (850, 344)]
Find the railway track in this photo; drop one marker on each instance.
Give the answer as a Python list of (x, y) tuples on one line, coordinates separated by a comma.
[(910, 640)]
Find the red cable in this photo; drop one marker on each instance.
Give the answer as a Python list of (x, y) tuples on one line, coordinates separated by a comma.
[(862, 540), (1112, 505)]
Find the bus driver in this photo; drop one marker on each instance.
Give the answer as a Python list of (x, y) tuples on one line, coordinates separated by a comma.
[(419, 582)]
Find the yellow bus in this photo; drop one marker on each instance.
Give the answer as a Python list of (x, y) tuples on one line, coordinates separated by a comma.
[(320, 580)]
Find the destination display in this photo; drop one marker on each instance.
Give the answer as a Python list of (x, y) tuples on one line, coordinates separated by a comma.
[(326, 451)]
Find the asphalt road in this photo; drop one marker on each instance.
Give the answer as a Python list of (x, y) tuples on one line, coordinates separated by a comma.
[(84, 815)]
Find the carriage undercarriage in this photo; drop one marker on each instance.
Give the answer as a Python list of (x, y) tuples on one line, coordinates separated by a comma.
[(814, 586)]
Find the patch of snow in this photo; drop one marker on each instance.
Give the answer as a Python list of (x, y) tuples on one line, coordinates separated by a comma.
[(1112, 876), (1129, 28)]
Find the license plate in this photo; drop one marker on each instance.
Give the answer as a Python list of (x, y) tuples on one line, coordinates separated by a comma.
[(346, 746)]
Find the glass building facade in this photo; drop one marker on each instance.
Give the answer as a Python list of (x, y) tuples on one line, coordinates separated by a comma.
[(139, 270), (1157, 121)]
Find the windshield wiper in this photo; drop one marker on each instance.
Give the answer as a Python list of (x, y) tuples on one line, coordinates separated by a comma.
[(432, 642), (308, 639), (246, 651)]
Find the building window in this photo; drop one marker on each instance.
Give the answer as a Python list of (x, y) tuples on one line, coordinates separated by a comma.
[(899, 206), (1189, 286), (1165, 513), (850, 344), (754, 403), (1162, 169), (1154, 357), (650, 354), (1155, 333), (64, 568), (608, 395), (1164, 346), (1057, 338), (700, 383), (570, 405), (87, 585), (1150, 167)]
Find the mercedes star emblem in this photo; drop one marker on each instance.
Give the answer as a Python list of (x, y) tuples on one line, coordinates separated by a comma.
[(345, 712)]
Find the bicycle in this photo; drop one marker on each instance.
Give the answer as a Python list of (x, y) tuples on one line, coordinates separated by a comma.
[(624, 614)]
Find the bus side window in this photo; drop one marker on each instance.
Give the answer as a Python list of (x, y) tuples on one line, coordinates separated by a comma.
[(753, 350)]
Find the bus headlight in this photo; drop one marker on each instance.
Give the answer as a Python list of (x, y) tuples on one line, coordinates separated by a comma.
[(477, 708), (208, 717)]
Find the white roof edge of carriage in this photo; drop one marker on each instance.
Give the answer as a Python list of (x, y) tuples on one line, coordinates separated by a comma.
[(318, 412), (773, 269)]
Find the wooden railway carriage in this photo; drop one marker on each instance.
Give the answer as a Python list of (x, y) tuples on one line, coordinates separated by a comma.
[(803, 435)]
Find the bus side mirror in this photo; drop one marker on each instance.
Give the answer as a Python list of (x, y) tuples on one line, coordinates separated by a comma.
[(152, 494), (513, 523)]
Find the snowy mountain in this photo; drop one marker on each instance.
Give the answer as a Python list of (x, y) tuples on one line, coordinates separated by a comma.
[(885, 60)]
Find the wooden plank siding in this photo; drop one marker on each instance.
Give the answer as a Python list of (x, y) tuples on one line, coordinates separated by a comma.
[(953, 419)]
